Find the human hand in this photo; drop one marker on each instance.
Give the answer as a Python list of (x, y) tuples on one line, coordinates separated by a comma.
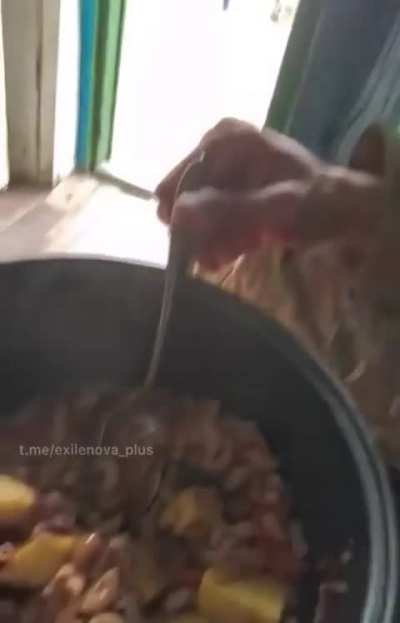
[(338, 205), (239, 157), (259, 187)]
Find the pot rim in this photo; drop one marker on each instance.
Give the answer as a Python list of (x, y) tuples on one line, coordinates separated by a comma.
[(382, 587)]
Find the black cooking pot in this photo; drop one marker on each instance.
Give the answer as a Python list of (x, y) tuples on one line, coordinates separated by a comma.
[(73, 323)]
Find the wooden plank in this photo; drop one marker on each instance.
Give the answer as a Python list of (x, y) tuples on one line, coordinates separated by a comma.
[(16, 202), (21, 30), (49, 18), (40, 226), (41, 87), (75, 218), (3, 116), (67, 90)]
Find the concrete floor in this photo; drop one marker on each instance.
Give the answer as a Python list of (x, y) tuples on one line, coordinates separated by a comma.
[(80, 216)]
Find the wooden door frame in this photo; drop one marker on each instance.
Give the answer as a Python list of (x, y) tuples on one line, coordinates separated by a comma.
[(41, 53), (4, 173)]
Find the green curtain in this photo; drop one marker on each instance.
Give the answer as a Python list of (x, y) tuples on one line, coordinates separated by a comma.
[(298, 49), (339, 74), (101, 37)]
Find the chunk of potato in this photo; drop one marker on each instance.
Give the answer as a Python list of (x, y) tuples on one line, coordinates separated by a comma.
[(193, 512), (259, 600), (16, 500), (35, 562)]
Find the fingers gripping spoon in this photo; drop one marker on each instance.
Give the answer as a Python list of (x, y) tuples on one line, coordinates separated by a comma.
[(179, 259)]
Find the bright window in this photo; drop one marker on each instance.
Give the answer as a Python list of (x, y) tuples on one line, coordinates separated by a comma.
[(185, 64)]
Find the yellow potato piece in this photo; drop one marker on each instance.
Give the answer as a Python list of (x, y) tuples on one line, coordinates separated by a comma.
[(252, 600), (16, 500), (193, 512), (35, 563)]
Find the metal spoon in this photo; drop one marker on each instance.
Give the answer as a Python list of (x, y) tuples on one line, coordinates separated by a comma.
[(179, 260), (154, 468)]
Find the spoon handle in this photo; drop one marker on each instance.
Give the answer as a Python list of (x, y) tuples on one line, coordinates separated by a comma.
[(179, 259)]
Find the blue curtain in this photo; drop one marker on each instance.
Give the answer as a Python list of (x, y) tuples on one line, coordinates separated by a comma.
[(341, 63)]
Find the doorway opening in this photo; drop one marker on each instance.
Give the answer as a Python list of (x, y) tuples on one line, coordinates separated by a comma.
[(185, 64)]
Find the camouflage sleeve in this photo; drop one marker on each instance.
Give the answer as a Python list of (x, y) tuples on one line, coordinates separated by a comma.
[(354, 326), (375, 331)]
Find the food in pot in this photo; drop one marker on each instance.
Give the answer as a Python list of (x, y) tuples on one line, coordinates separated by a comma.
[(134, 507), (35, 562), (16, 500), (259, 598)]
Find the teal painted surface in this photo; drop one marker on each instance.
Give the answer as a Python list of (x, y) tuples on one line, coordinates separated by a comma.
[(101, 37), (88, 13), (111, 19)]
